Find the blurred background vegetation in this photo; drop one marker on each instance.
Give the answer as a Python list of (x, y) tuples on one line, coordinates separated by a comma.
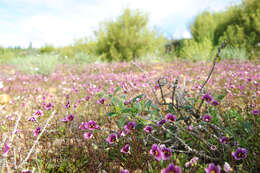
[(128, 38)]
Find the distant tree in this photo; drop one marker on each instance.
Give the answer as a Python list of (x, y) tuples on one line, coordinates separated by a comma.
[(128, 37)]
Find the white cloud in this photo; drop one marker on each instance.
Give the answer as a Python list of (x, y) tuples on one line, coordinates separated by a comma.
[(59, 22)]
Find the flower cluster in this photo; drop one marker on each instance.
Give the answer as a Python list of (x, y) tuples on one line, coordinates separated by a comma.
[(161, 152)]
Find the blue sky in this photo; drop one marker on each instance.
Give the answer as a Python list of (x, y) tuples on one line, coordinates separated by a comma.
[(60, 22)]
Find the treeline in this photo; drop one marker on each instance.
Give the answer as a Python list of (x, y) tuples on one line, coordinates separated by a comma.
[(239, 26), (127, 37)]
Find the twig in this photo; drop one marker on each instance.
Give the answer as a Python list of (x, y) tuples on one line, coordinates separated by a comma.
[(212, 68), (10, 141), (37, 140), (149, 81)]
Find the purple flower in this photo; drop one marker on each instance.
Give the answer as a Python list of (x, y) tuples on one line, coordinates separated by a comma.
[(130, 125), (67, 104), (224, 140), (5, 148), (156, 152), (88, 135), (87, 98), (92, 125), (101, 101), (240, 153), (32, 118), (190, 127), (123, 132), (192, 162), (49, 106), (215, 103), (83, 126), (37, 131), (124, 171), (112, 138), (26, 171), (148, 129), (207, 118), (68, 118), (166, 153), (227, 167), (38, 113), (126, 149), (170, 117), (171, 168), (207, 98), (212, 168), (161, 122), (127, 102), (255, 112)]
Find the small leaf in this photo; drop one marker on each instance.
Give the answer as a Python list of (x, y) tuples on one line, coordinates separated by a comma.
[(155, 107), (121, 122), (148, 104), (116, 90), (111, 114)]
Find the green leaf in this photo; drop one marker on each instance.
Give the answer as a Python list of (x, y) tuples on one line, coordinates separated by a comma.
[(127, 110), (138, 107), (116, 90), (111, 114), (115, 101), (121, 122), (101, 94), (155, 107), (148, 104)]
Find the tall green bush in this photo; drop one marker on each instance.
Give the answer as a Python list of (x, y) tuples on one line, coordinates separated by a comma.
[(239, 26), (128, 37), (193, 50)]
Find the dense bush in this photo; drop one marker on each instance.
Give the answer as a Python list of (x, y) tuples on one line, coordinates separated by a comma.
[(128, 37), (47, 49), (239, 26)]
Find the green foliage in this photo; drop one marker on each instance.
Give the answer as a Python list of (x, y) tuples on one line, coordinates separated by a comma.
[(203, 27), (82, 46), (239, 26), (127, 38), (233, 53), (8, 53), (47, 49), (193, 50)]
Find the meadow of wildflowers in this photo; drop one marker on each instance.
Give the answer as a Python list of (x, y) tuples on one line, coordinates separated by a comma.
[(106, 118)]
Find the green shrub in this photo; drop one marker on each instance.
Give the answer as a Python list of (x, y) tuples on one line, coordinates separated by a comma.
[(193, 50), (127, 38), (47, 49), (234, 53)]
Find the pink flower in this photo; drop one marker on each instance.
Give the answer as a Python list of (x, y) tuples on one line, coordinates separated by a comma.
[(37, 131), (148, 129), (126, 149), (170, 117), (207, 118), (92, 125), (88, 135), (112, 138), (213, 147), (227, 167), (5, 148), (156, 152), (38, 113)]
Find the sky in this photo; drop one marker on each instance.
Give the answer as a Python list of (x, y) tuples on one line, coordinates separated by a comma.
[(61, 22)]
